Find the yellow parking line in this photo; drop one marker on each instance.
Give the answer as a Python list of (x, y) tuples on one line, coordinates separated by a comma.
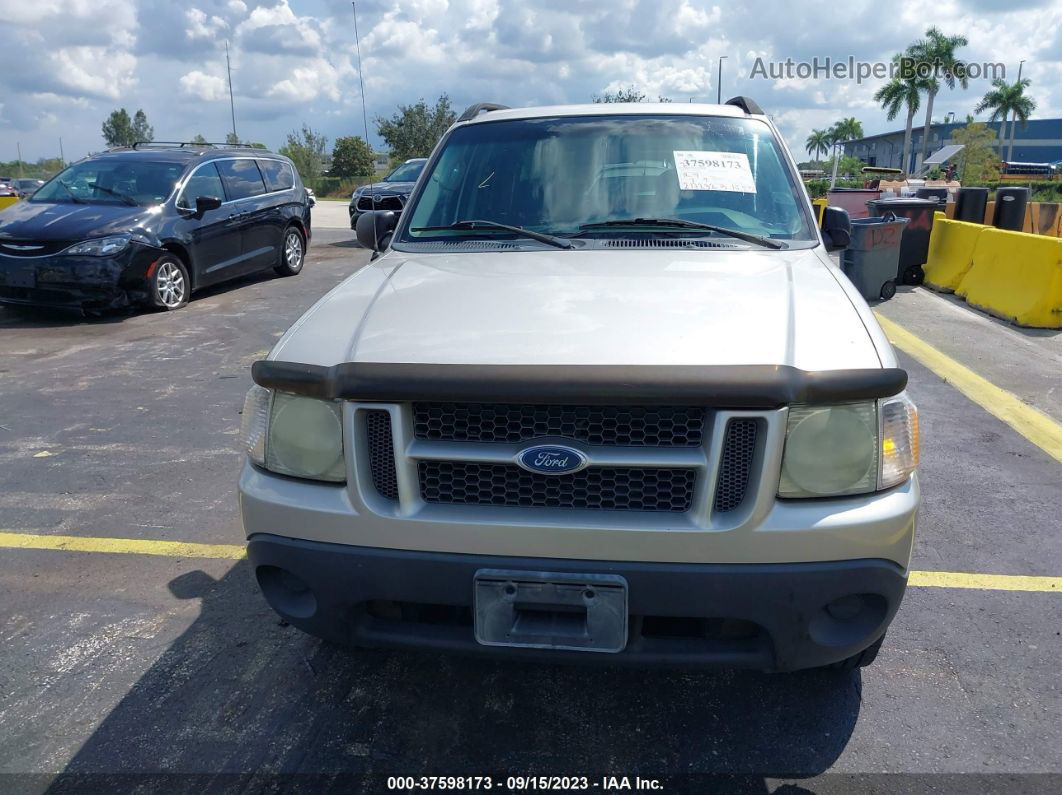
[(1031, 423), (122, 546), (181, 549)]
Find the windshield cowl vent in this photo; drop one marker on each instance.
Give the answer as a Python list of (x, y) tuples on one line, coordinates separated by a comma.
[(652, 242), (440, 245)]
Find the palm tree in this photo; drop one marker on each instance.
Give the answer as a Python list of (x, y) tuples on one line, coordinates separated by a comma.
[(1003, 100), (938, 50), (818, 143), (844, 130), (900, 93)]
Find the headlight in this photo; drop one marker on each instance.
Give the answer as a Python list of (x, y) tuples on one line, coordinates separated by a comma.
[(100, 247), (850, 448), (293, 435)]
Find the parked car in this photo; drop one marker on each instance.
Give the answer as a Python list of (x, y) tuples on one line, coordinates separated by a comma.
[(28, 186), (9, 190), (604, 392), (390, 193), (152, 224)]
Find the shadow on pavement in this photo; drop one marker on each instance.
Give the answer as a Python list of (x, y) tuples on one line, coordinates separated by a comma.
[(241, 692)]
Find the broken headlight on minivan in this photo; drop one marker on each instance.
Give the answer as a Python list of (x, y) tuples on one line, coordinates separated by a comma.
[(849, 448), (294, 435)]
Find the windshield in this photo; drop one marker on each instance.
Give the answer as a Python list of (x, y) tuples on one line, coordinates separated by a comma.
[(407, 172), (554, 175), (112, 181)]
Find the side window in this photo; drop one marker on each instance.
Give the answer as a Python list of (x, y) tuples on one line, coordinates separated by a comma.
[(204, 182), (241, 178), (277, 173)]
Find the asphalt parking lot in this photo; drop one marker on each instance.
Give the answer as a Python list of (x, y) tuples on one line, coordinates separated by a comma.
[(163, 660)]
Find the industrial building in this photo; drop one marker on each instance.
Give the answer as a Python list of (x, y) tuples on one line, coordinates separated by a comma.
[(1039, 141)]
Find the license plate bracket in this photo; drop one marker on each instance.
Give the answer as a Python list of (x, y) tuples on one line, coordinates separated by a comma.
[(551, 610), (21, 277)]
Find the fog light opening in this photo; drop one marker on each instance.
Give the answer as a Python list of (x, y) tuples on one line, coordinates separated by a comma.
[(286, 593), (849, 620)]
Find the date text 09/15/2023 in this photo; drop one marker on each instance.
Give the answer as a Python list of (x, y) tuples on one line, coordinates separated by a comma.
[(524, 783)]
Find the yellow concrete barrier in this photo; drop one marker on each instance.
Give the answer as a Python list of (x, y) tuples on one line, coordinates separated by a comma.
[(951, 252), (7, 201), (820, 209), (1016, 276)]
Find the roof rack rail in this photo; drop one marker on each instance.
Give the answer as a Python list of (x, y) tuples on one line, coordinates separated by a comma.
[(480, 107), (183, 144), (746, 104)]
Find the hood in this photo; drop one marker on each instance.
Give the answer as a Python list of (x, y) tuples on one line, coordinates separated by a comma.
[(404, 188), (69, 221), (593, 307)]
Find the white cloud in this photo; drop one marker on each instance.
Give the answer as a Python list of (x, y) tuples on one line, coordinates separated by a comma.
[(201, 26), (203, 86)]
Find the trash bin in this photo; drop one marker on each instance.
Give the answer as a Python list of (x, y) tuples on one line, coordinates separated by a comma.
[(854, 200), (971, 205), (914, 249), (1010, 208), (870, 259)]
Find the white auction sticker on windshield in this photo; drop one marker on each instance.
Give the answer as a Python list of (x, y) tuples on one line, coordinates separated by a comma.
[(714, 171)]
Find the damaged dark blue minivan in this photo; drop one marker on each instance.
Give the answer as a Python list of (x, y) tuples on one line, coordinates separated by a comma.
[(152, 223)]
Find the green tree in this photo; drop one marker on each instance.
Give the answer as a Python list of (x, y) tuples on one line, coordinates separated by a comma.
[(629, 94), (977, 163), (818, 143), (231, 138), (1007, 99), (199, 139), (120, 130), (903, 93), (415, 129), (938, 50), (845, 130), (306, 148), (352, 157)]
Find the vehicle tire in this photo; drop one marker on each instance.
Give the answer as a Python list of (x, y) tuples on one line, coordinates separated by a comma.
[(914, 275), (888, 290), (170, 285), (861, 660), (292, 253)]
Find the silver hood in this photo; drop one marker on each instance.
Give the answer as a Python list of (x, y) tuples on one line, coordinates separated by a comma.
[(592, 307)]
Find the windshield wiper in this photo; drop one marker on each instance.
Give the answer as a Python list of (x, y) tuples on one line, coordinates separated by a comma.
[(678, 223), (76, 199), (123, 196), (471, 226)]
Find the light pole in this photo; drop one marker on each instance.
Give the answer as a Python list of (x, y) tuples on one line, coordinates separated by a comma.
[(719, 82)]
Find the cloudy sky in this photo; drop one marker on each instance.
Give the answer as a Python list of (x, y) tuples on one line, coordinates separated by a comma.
[(68, 63)]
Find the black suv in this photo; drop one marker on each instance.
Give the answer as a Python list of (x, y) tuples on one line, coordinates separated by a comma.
[(150, 224), (390, 193)]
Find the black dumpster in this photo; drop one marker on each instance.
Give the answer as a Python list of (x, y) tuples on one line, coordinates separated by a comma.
[(915, 246), (940, 194), (971, 204), (1010, 208), (870, 259)]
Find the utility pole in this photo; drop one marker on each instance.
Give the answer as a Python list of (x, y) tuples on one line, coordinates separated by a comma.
[(232, 103), (62, 158), (719, 82), (18, 146), (1013, 121)]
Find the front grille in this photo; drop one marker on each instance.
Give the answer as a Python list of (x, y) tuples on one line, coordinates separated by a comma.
[(735, 466), (381, 453), (33, 248), (381, 203), (601, 488), (622, 426)]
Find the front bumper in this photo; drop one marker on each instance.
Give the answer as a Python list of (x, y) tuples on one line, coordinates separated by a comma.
[(72, 282), (761, 616)]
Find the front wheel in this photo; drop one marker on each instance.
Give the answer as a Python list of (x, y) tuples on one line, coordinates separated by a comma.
[(292, 253), (170, 285)]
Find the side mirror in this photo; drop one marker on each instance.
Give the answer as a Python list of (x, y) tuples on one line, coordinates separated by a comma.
[(836, 228), (374, 228), (205, 204)]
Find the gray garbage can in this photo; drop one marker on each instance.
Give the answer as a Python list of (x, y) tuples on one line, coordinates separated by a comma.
[(871, 259)]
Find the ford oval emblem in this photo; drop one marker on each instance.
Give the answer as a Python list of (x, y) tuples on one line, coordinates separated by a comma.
[(549, 459)]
